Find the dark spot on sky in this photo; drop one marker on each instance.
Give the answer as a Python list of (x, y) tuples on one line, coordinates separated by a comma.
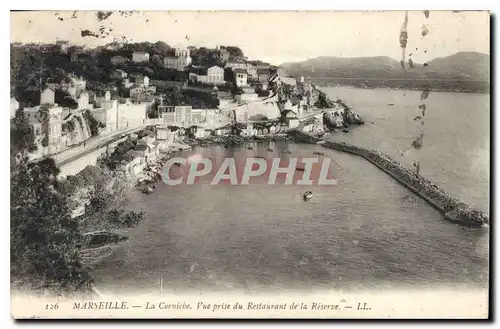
[(88, 33), (147, 20), (61, 19), (102, 15), (410, 62), (425, 30), (74, 14), (425, 64), (418, 143), (425, 51)]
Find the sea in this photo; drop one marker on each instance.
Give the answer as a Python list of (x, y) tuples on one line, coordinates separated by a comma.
[(365, 233)]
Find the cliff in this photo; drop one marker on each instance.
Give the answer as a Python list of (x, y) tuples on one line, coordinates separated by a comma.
[(76, 128)]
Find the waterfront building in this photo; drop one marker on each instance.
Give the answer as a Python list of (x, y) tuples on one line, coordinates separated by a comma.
[(176, 114)]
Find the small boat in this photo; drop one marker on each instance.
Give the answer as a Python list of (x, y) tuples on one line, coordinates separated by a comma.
[(390, 104), (270, 150), (320, 142), (319, 153), (147, 190), (308, 195)]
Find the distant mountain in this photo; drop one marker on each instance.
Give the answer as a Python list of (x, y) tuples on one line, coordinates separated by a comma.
[(459, 66)]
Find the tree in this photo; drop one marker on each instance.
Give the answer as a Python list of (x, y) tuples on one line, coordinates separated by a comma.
[(45, 240), (234, 51), (21, 134)]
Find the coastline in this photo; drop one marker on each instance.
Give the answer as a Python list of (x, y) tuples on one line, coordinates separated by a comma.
[(435, 90)]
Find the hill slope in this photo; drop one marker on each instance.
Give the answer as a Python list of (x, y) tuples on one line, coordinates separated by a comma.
[(470, 65), (469, 71)]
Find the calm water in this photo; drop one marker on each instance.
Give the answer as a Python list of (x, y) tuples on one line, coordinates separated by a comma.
[(367, 232), (456, 151)]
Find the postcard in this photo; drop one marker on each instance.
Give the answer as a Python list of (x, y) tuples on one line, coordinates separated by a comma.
[(250, 164)]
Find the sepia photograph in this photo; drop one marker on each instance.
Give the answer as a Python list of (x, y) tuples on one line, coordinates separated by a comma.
[(250, 164)]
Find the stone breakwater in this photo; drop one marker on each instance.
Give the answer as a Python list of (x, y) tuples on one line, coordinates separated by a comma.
[(452, 208)]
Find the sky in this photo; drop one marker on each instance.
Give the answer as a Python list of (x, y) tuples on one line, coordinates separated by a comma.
[(275, 37)]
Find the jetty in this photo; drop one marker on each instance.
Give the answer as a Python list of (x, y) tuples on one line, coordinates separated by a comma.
[(452, 208)]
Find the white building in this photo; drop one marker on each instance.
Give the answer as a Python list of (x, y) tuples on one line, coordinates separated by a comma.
[(180, 61), (140, 57), (14, 106), (131, 114), (47, 96), (240, 76), (215, 74), (83, 101), (177, 114), (107, 113)]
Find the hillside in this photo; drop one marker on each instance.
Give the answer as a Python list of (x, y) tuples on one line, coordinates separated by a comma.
[(469, 70)]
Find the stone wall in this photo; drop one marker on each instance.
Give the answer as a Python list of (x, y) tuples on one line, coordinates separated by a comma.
[(451, 207)]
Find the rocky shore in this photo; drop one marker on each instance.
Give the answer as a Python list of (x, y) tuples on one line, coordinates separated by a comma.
[(341, 116), (452, 208)]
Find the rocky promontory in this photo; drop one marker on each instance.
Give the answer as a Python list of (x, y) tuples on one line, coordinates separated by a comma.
[(341, 116)]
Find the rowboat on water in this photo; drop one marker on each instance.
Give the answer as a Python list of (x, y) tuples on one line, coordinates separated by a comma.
[(147, 190), (319, 153), (308, 195)]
